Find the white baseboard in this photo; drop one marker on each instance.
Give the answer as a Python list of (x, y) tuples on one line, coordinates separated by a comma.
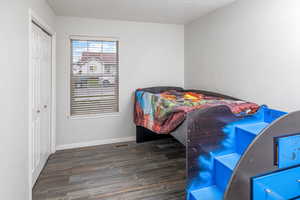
[(94, 143)]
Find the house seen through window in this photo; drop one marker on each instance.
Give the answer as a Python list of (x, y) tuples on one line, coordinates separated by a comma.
[(94, 77)]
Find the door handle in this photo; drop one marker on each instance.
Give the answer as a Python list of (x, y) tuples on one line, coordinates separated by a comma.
[(38, 111), (45, 106)]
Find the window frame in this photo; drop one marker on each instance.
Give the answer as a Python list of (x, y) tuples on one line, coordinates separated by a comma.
[(69, 79)]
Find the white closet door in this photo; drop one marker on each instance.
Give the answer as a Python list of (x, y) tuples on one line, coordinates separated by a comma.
[(41, 124)]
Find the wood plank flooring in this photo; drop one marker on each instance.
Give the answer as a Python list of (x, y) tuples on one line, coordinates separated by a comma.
[(123, 171)]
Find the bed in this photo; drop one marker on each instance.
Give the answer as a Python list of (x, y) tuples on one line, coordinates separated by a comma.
[(202, 121), (234, 149), (175, 105)]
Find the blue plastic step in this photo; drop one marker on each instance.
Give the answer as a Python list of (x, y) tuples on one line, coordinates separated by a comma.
[(254, 128), (270, 115), (215, 149), (207, 193), (246, 133), (224, 166), (211, 151)]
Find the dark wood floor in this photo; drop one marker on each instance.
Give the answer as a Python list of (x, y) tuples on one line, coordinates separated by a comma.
[(124, 171)]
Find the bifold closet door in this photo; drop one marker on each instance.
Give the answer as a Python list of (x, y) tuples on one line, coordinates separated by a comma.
[(41, 55)]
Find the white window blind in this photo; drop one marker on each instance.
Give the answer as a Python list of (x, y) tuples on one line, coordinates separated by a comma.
[(94, 76)]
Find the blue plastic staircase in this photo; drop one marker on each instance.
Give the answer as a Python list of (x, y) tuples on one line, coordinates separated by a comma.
[(223, 163)]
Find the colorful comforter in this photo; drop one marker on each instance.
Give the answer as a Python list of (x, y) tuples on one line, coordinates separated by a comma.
[(164, 112)]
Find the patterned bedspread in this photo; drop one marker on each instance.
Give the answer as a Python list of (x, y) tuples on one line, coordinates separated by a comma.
[(164, 112)]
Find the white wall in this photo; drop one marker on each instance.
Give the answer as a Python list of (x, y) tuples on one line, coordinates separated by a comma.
[(249, 49), (150, 55), (14, 177)]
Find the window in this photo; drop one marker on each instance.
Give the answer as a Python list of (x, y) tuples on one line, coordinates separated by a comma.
[(94, 76)]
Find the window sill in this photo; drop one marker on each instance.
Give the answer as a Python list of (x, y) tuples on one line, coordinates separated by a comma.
[(95, 116)]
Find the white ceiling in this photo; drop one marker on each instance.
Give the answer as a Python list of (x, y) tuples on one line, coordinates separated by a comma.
[(161, 11)]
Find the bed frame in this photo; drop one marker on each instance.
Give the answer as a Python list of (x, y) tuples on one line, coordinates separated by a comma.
[(232, 157), (145, 135)]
